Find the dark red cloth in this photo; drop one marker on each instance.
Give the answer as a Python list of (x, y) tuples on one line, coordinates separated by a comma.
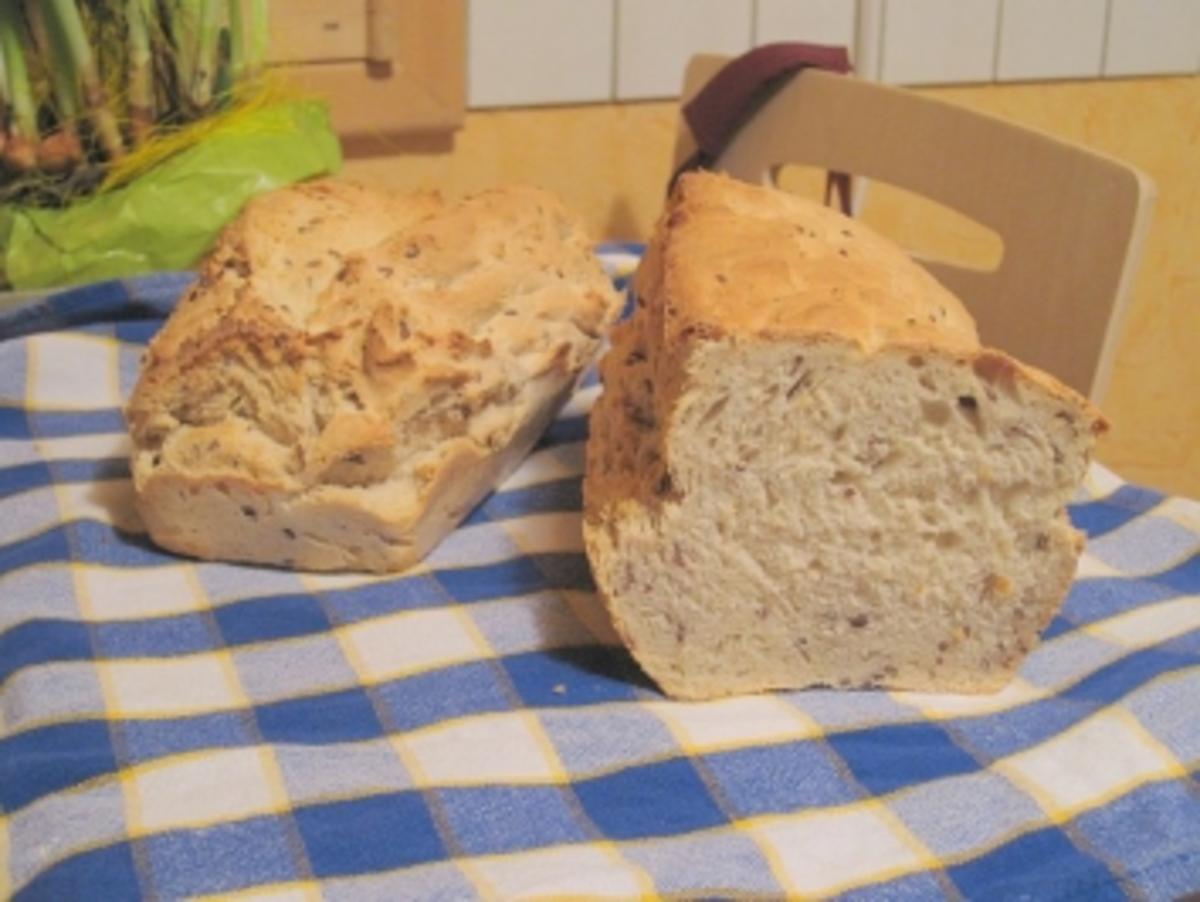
[(739, 90)]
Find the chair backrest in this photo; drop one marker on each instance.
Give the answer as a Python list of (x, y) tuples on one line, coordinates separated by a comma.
[(1072, 220)]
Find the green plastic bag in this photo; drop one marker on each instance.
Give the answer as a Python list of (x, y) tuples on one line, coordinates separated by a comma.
[(168, 217)]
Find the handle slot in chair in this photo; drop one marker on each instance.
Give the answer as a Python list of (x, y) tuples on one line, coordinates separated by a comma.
[(1072, 220)]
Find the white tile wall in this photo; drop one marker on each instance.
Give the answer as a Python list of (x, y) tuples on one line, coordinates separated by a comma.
[(812, 21), (529, 52), (868, 38), (938, 41), (1040, 40), (656, 38), (1148, 37)]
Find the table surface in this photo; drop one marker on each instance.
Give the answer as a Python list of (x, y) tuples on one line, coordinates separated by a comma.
[(172, 728)]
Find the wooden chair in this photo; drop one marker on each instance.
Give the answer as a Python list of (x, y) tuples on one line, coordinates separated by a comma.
[(1073, 221)]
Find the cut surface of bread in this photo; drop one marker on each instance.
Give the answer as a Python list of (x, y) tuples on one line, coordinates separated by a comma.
[(804, 469), (354, 370)]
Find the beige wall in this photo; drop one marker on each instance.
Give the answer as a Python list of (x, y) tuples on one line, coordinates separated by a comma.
[(611, 162)]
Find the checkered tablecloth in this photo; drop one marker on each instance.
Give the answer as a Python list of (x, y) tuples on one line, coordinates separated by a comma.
[(171, 728)]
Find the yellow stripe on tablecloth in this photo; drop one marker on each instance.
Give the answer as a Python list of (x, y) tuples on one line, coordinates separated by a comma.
[(410, 642), (6, 886), (78, 337), (337, 581), (123, 594), (108, 696), (780, 834), (291, 891), (552, 464), (1092, 567), (553, 772), (1183, 511), (137, 780), (105, 500), (1148, 625), (545, 533), (940, 707), (557, 532), (199, 789), (697, 726), (936, 706), (1107, 570), (950, 860), (169, 687), (408, 761), (226, 695), (209, 665), (144, 785), (507, 875), (1167, 772), (82, 600), (1174, 768), (697, 729), (90, 446), (997, 841), (1099, 482), (86, 378), (580, 403), (1049, 772), (268, 758), (55, 509)]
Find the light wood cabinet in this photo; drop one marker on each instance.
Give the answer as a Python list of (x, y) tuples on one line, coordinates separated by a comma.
[(387, 67)]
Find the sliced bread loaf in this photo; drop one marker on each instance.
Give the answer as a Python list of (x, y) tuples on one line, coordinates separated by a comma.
[(805, 470), (355, 369)]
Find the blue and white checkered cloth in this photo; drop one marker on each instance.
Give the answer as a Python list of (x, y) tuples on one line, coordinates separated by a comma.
[(171, 728)]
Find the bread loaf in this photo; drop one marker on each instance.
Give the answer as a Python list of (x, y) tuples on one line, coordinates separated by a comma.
[(354, 370), (805, 470)]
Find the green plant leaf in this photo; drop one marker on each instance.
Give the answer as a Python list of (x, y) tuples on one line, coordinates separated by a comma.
[(167, 218)]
